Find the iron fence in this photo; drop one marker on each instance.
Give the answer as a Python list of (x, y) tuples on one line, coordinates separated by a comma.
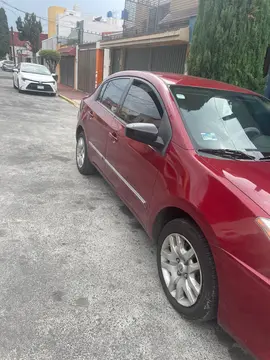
[(145, 17)]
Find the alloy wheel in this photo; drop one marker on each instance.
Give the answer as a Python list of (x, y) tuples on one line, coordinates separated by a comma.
[(80, 151), (181, 270)]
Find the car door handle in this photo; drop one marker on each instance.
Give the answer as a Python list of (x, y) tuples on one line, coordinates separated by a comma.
[(113, 137), (91, 113)]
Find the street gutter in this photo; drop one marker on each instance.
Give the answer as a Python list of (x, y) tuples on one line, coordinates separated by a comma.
[(72, 102)]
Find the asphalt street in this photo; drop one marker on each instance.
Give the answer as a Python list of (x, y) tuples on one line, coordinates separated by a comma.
[(78, 274)]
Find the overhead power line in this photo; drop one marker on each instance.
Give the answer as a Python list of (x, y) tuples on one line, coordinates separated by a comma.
[(46, 19), (13, 12)]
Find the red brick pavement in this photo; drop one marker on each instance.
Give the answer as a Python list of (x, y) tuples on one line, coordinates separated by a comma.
[(71, 93)]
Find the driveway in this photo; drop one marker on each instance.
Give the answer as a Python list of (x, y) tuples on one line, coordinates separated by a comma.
[(78, 274)]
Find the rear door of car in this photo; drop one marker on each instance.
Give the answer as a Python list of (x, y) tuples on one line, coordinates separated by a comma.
[(135, 164), (99, 115)]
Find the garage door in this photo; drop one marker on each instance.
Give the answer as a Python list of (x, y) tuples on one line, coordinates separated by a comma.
[(169, 59), (138, 59), (87, 69), (162, 58)]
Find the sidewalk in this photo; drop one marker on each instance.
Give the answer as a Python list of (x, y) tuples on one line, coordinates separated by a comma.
[(69, 94)]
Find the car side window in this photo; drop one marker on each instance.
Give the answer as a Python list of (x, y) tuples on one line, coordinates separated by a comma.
[(101, 92), (141, 105), (112, 94)]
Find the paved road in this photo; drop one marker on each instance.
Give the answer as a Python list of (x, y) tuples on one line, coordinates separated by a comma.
[(78, 274)]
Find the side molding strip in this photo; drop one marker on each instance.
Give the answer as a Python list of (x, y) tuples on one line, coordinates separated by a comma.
[(118, 174)]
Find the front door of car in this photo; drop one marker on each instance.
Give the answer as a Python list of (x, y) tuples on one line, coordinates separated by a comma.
[(135, 164), (98, 116)]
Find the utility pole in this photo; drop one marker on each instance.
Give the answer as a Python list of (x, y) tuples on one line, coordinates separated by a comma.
[(13, 48)]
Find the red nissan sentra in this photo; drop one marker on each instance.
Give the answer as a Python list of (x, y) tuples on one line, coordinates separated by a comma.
[(191, 159)]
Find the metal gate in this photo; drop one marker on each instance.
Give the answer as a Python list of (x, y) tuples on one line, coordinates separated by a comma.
[(162, 58), (87, 68), (138, 59), (169, 59), (67, 70)]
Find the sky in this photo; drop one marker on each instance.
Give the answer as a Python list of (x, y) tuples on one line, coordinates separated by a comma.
[(39, 7)]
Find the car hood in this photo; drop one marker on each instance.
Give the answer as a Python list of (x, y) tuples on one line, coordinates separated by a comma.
[(37, 77), (251, 177)]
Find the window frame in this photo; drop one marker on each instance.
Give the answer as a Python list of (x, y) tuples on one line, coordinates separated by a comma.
[(152, 88), (165, 117), (99, 91)]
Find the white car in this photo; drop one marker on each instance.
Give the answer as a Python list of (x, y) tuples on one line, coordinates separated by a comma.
[(34, 78)]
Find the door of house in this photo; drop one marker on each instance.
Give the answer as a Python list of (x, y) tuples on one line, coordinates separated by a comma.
[(67, 70), (87, 68)]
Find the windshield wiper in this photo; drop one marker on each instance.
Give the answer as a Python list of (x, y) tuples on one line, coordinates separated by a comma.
[(228, 153)]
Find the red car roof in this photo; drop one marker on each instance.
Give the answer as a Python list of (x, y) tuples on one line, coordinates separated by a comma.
[(185, 80)]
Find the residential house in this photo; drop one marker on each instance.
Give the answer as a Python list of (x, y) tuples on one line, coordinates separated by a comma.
[(155, 37), (22, 49), (69, 31)]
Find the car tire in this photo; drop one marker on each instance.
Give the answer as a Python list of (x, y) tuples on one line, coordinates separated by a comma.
[(84, 165), (190, 286)]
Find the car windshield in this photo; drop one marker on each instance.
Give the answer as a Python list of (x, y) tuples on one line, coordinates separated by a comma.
[(217, 119), (35, 69)]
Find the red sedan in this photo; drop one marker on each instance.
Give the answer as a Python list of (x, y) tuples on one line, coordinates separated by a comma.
[(191, 159)]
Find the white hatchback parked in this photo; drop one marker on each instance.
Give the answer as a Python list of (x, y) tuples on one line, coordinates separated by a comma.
[(34, 78)]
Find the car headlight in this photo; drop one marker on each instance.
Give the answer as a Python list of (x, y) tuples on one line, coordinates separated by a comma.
[(25, 79), (264, 224)]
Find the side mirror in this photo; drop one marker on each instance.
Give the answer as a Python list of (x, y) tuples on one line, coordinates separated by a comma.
[(15, 70), (144, 133), (55, 76)]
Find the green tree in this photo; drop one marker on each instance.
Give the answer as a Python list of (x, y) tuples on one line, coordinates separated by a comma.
[(4, 34), (29, 30), (51, 57), (230, 41)]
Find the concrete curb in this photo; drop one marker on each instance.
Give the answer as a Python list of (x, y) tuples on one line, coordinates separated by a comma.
[(68, 100)]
